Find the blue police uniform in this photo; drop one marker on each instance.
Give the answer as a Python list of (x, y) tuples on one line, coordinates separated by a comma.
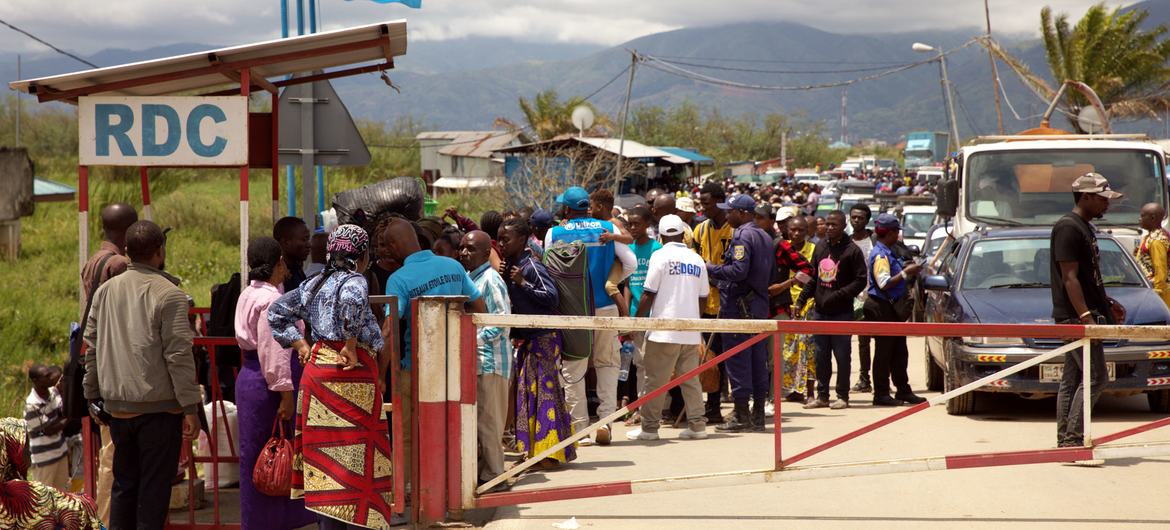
[(743, 280)]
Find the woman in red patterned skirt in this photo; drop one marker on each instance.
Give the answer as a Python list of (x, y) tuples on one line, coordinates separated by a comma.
[(342, 460)]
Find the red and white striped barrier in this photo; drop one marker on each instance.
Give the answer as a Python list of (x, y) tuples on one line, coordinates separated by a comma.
[(785, 468)]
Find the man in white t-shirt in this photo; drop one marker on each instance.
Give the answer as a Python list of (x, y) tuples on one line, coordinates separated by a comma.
[(676, 283)]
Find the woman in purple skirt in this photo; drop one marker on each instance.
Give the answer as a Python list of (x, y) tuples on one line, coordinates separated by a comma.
[(542, 419), (265, 388)]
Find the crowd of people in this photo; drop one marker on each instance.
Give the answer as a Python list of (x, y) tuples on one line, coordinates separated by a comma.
[(312, 362)]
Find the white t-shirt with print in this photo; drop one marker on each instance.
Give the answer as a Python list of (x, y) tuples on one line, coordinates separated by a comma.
[(678, 277)]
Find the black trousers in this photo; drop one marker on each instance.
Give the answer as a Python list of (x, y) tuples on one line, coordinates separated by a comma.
[(144, 466), (891, 357)]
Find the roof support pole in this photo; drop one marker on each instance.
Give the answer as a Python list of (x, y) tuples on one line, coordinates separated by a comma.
[(144, 181), (617, 185), (275, 157), (245, 88)]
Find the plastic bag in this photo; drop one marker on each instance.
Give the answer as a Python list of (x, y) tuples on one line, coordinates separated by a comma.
[(273, 472), (401, 195)]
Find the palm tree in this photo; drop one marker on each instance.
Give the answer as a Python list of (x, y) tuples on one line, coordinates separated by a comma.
[(1110, 52), (549, 117), (1125, 65)]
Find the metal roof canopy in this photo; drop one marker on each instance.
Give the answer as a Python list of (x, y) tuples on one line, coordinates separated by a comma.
[(194, 73)]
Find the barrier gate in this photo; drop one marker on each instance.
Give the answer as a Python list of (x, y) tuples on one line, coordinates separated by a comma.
[(446, 472)]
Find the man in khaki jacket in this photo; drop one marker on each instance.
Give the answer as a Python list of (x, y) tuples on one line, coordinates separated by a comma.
[(140, 369)]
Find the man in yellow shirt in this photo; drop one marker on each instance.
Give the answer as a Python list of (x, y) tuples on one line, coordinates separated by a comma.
[(1151, 252), (712, 238)]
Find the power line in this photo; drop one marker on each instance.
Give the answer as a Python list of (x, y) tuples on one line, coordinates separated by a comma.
[(43, 41), (773, 61), (670, 67), (414, 144), (764, 71)]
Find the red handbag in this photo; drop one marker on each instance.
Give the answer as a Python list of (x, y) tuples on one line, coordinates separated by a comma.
[(273, 472)]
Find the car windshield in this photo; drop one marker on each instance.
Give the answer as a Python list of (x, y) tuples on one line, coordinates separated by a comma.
[(1034, 187), (1022, 263), (915, 224)]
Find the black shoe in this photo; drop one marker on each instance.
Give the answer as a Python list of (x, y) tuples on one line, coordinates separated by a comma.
[(498, 488), (740, 421), (863, 386), (758, 416), (795, 397), (911, 398), (886, 401)]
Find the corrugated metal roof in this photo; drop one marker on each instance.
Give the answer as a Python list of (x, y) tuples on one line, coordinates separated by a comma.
[(632, 149), (45, 190), (689, 155), (478, 144), (205, 70)]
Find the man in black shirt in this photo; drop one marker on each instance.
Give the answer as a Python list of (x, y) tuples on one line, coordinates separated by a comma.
[(1078, 296), (293, 235)]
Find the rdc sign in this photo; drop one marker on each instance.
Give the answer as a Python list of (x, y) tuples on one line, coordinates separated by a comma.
[(163, 131)]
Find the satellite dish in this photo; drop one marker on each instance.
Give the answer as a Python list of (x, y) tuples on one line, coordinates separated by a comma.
[(582, 118), (1090, 120)]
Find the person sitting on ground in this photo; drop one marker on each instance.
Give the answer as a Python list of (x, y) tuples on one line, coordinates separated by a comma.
[(676, 285), (44, 417)]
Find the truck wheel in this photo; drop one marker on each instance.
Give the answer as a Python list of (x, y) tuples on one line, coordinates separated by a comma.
[(1159, 401), (934, 374)]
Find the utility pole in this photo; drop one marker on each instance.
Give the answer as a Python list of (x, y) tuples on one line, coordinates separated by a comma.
[(844, 115), (942, 64), (19, 109), (625, 113), (994, 69)]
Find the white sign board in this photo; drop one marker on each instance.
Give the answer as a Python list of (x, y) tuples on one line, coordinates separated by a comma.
[(163, 131)]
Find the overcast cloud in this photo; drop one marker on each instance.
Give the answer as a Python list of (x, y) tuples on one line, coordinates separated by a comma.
[(87, 26)]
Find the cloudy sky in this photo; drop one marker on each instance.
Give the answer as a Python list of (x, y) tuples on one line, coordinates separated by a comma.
[(88, 26)]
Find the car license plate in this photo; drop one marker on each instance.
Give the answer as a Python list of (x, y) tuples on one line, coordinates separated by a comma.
[(1051, 373)]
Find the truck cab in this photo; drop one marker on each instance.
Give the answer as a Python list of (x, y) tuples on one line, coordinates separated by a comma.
[(1026, 181)]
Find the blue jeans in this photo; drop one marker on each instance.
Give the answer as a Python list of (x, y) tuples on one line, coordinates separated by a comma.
[(831, 347)]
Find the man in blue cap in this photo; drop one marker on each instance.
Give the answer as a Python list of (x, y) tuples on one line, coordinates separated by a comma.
[(888, 279), (743, 280), (541, 222), (579, 226)]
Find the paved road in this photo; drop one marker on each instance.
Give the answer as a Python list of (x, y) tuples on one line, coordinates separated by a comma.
[(1124, 493)]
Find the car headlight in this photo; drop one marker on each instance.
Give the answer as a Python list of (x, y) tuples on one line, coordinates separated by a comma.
[(993, 341)]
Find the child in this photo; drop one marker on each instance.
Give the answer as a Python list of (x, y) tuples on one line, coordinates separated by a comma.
[(44, 417)]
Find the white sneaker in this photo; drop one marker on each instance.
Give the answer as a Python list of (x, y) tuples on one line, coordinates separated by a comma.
[(585, 442), (688, 434), (769, 410), (639, 434)]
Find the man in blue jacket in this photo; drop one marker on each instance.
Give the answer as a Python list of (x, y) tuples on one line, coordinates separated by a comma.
[(743, 280), (579, 226)]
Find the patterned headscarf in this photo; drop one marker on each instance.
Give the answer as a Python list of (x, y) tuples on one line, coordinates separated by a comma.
[(347, 244)]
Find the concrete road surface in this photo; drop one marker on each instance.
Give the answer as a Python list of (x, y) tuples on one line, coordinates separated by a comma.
[(1122, 493)]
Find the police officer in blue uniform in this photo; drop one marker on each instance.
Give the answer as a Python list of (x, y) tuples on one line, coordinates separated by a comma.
[(742, 280)]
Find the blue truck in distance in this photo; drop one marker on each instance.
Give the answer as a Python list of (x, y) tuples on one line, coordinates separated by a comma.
[(925, 148)]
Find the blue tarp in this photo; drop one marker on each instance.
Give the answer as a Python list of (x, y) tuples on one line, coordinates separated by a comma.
[(688, 154)]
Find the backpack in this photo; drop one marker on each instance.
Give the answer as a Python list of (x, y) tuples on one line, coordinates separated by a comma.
[(568, 265), (73, 389)]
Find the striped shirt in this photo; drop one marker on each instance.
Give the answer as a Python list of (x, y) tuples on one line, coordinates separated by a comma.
[(495, 352), (38, 412)]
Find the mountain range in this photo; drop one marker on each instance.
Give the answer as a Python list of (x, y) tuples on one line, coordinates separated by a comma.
[(468, 83)]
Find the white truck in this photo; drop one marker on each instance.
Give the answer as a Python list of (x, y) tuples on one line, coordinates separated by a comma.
[(1026, 180)]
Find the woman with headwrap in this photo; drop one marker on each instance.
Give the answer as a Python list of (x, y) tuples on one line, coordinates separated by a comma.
[(25, 504), (265, 387), (342, 462)]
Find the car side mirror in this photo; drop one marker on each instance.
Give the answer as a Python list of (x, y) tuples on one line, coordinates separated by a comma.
[(936, 282), (947, 197)]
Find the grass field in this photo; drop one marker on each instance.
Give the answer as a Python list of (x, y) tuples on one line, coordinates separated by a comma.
[(39, 298)]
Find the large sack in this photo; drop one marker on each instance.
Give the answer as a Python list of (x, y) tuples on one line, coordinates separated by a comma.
[(568, 265), (401, 195)]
